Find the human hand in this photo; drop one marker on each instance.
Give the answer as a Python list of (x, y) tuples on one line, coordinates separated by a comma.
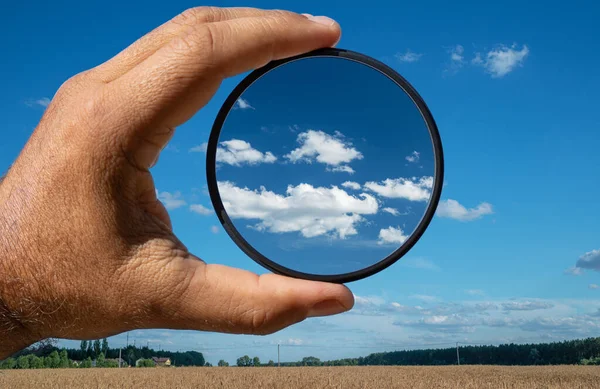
[(86, 249)]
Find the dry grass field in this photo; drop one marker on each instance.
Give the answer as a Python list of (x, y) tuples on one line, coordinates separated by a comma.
[(364, 377)]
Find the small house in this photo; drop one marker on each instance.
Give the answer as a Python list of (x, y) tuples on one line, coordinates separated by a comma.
[(162, 361)]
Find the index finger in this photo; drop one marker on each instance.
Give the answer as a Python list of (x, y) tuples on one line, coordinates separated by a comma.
[(171, 85)]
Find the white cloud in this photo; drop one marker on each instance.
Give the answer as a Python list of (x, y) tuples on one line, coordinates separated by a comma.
[(342, 169), (214, 229), (457, 59), (242, 104), (238, 152), (408, 56), (593, 286), (502, 60), (590, 260), (324, 148), (477, 60), (351, 185), (392, 211), (454, 210), (171, 200), (367, 300), (413, 189), (200, 148), (43, 102), (413, 157), (392, 235), (200, 209), (456, 54), (526, 305), (292, 342), (419, 263), (574, 271), (312, 211)]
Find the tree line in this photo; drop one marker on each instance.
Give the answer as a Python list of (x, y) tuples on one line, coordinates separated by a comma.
[(46, 354), (572, 352)]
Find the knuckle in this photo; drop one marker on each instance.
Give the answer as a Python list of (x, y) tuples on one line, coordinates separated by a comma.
[(200, 40), (201, 14), (93, 107)]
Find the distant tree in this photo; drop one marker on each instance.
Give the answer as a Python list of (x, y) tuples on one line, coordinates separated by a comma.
[(52, 360), (244, 361), (271, 363), (311, 361), (146, 363), (104, 347), (130, 356), (591, 361), (97, 348), (86, 363), (83, 348), (63, 359), (90, 350), (101, 360), (9, 363), (23, 362), (223, 363), (255, 361), (534, 356), (208, 364), (35, 362)]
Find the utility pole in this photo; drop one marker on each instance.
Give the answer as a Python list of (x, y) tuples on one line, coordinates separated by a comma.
[(119, 357), (127, 339), (278, 355), (457, 355)]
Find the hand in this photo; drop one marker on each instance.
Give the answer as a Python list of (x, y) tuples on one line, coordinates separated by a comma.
[(86, 249)]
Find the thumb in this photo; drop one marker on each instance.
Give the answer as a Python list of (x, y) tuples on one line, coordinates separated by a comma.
[(223, 299)]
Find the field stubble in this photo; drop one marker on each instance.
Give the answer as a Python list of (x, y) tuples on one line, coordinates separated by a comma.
[(364, 377)]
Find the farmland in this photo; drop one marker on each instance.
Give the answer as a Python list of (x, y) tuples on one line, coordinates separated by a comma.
[(380, 377)]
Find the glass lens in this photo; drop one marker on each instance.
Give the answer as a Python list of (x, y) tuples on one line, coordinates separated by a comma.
[(325, 165)]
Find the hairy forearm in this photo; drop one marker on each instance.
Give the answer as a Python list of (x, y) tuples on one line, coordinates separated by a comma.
[(14, 335)]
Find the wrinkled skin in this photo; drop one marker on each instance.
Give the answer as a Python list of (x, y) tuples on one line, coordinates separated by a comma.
[(86, 248)]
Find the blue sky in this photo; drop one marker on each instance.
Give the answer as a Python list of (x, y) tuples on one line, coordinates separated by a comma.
[(520, 132)]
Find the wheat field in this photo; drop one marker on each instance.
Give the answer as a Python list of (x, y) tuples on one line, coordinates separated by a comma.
[(363, 377)]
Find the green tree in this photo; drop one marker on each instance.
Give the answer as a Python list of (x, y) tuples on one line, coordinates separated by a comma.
[(90, 350), (208, 364), (23, 362), (64, 359), (53, 360), (86, 363), (311, 361), (97, 348), (146, 363), (271, 363), (256, 361), (35, 362), (9, 363), (223, 363), (101, 360), (244, 361), (83, 347), (104, 347)]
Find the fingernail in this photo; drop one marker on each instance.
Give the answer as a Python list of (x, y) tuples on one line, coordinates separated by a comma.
[(320, 19), (326, 308)]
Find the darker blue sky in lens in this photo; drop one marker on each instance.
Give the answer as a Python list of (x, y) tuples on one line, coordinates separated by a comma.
[(358, 106)]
